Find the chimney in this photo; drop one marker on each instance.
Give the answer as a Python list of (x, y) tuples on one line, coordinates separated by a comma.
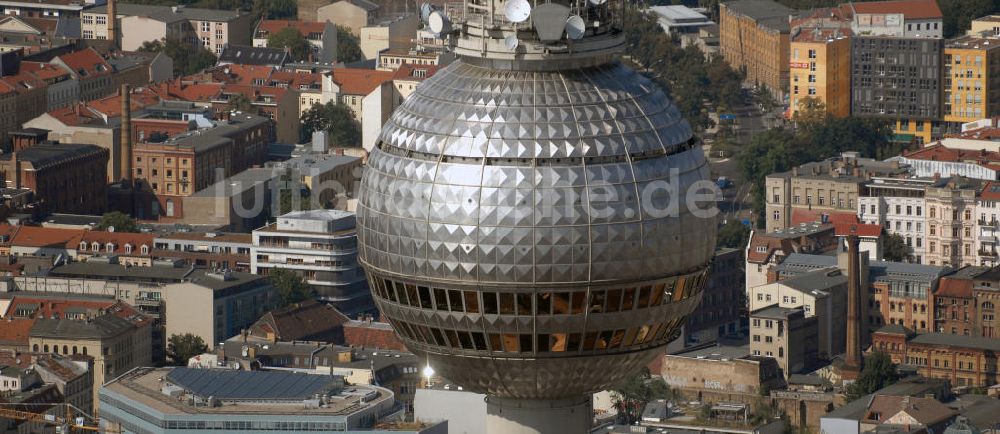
[(112, 25), (17, 169), (852, 358), (125, 159)]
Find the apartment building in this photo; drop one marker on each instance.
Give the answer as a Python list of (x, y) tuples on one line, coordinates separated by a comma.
[(786, 335), (118, 341), (330, 178), (971, 78), (210, 28), (908, 18), (91, 72), (898, 205), (830, 187), (820, 64), (987, 225), (765, 250), (321, 246), (718, 315), (369, 95), (211, 250), (47, 9), (819, 293), (962, 360), (754, 36), (951, 225), (898, 78)]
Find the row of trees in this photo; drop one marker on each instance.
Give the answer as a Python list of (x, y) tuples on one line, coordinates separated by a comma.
[(696, 83)]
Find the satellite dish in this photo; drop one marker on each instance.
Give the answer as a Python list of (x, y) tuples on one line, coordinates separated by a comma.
[(575, 27), (111, 228), (425, 12), (438, 22), (517, 11), (511, 42), (549, 20), (597, 2)]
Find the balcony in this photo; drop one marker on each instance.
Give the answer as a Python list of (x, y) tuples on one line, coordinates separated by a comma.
[(988, 223), (988, 253)]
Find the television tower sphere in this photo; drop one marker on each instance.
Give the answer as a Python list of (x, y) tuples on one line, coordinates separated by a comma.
[(526, 217)]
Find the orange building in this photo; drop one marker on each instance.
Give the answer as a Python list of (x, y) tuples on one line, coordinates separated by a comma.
[(820, 62), (971, 79), (962, 360)]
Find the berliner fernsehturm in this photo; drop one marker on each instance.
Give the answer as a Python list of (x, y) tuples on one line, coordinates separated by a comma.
[(525, 219)]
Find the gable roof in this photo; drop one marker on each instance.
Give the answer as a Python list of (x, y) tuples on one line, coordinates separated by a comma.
[(926, 411), (15, 331), (86, 63), (911, 9), (861, 230), (355, 81), (951, 287), (247, 55), (34, 236), (308, 320)]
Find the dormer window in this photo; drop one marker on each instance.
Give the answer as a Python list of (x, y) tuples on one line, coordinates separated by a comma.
[(96, 247), (128, 248), (109, 247), (144, 249), (83, 246)]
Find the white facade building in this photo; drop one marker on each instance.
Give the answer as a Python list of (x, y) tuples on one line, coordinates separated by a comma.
[(322, 247), (898, 205)]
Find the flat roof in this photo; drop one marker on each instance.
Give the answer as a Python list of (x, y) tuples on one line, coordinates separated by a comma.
[(164, 13), (717, 352), (775, 312), (238, 183), (144, 386)]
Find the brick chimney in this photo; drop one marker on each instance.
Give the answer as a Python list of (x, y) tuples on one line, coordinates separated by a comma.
[(125, 157), (852, 357), (113, 25)]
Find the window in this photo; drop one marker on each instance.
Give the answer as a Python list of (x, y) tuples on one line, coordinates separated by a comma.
[(777, 215), (206, 26)]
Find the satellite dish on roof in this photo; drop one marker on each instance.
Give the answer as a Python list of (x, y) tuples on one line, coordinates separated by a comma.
[(511, 42), (575, 27), (111, 228), (549, 20), (597, 2), (517, 11), (425, 12), (438, 22)]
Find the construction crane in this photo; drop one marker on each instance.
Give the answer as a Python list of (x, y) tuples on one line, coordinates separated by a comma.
[(66, 424)]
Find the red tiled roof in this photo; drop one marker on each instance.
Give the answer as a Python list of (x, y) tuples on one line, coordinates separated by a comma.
[(939, 152), (15, 330), (194, 92), (949, 287), (34, 236), (87, 60), (981, 133), (862, 230), (23, 81), (372, 335), (406, 72), (911, 9), (990, 191), (354, 81), (111, 106), (47, 306), (118, 239), (304, 27), (800, 215)]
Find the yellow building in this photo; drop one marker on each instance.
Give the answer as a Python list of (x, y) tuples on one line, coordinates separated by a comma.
[(971, 78), (989, 24), (921, 130), (820, 68), (753, 36)]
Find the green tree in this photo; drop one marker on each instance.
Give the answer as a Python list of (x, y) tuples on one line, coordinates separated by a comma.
[(632, 395), (120, 221), (291, 287), (239, 102), (878, 372), (336, 119), (188, 59), (180, 348), (894, 248), (348, 45), (733, 235), (810, 111), (276, 9), (290, 38)]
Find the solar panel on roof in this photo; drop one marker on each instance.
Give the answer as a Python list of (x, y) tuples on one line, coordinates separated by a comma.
[(248, 385)]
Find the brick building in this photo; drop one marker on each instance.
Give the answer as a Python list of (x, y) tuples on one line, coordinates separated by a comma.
[(954, 306), (183, 164), (963, 360), (67, 178)]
